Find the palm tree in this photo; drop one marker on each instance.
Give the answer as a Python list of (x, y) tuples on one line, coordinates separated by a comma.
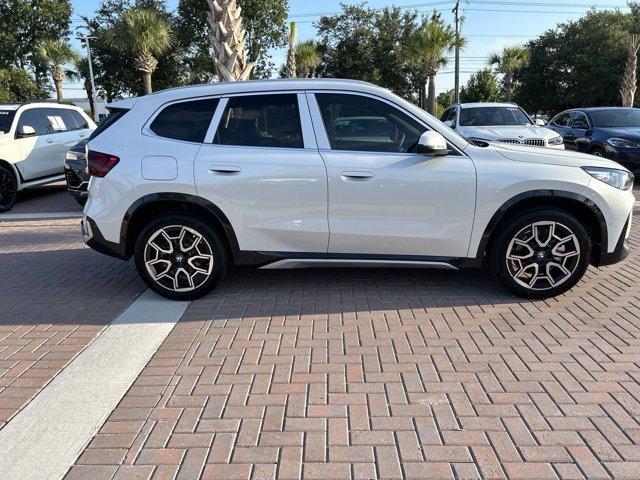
[(290, 65), (629, 83), (428, 49), (81, 72), (228, 41), (307, 58), (55, 53), (143, 33), (508, 62)]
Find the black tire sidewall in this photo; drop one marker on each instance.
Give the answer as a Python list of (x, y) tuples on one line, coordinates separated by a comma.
[(498, 251), (218, 246), (10, 205)]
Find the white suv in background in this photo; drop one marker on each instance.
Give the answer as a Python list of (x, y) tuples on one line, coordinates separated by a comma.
[(34, 139), (500, 122), (296, 173)]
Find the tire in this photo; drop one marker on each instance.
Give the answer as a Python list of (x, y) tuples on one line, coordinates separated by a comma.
[(81, 200), (165, 262), (8, 189), (541, 253), (598, 152)]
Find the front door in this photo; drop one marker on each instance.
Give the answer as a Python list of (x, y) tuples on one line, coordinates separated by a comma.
[(384, 198), (260, 165), (39, 151)]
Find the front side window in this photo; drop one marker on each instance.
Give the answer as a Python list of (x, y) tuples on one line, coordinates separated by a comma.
[(261, 121), (561, 120), (493, 116), (33, 118), (359, 123), (580, 121), (186, 121), (6, 119)]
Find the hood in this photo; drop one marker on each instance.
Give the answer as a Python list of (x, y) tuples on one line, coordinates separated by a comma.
[(569, 158), (627, 133), (516, 131)]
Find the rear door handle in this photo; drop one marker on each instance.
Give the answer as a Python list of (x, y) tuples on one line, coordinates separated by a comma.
[(362, 175), (49, 140), (228, 169)]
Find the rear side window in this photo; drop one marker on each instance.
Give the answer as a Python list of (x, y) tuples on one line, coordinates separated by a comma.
[(186, 121), (261, 121), (79, 120), (33, 118), (56, 121), (115, 114)]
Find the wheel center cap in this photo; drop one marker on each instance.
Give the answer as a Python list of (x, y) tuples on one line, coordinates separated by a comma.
[(541, 255), (179, 258)]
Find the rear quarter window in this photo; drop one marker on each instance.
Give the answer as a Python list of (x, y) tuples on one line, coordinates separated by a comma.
[(187, 121)]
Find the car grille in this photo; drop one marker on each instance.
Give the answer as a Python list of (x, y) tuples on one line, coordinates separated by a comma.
[(73, 179), (535, 142)]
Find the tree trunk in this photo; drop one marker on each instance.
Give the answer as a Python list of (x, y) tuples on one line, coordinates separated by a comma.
[(629, 84), (146, 76), (508, 86), (431, 99), (58, 78)]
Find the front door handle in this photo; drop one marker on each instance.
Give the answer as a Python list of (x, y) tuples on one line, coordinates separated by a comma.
[(358, 175), (226, 169)]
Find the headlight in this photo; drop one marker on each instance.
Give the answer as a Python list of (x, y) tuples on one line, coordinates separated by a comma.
[(621, 179), (556, 141), (622, 143)]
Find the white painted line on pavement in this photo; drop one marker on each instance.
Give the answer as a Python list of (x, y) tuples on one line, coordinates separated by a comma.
[(38, 216), (44, 440)]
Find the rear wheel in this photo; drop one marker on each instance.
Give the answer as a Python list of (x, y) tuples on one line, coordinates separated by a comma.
[(8, 189), (180, 257), (540, 254)]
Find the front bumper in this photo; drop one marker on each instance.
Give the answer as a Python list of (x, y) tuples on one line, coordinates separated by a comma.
[(93, 238), (622, 247)]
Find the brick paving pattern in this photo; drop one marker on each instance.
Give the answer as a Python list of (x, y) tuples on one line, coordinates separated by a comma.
[(48, 198), (396, 374), (56, 295)]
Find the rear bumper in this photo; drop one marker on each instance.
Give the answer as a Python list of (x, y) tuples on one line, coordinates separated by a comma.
[(93, 238)]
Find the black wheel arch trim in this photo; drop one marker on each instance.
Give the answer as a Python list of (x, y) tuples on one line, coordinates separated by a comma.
[(541, 194), (182, 198)]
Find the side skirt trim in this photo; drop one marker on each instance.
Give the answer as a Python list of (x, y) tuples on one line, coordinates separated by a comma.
[(291, 263)]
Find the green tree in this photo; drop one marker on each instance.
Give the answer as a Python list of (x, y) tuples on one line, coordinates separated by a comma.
[(429, 47), (482, 87), (17, 86), (264, 20), (366, 44), (24, 24), (508, 62), (307, 58), (445, 99), (55, 54), (143, 33)]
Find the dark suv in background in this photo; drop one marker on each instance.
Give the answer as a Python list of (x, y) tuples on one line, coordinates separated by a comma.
[(611, 132)]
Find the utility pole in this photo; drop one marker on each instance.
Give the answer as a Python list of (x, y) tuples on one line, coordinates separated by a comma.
[(85, 39), (456, 94)]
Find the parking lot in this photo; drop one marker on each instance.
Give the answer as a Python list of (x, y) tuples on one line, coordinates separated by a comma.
[(331, 373)]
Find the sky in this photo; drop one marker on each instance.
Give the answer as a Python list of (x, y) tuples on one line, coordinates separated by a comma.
[(488, 25)]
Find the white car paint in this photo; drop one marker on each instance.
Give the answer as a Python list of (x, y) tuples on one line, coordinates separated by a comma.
[(512, 134), (308, 200), (39, 158)]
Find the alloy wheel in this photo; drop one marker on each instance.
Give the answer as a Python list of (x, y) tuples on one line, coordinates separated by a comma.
[(178, 258), (7, 189), (543, 255)]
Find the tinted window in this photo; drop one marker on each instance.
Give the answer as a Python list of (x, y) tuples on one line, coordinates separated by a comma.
[(449, 115), (6, 119), (55, 118), (580, 121), (187, 121), (80, 121), (34, 119), (261, 121), (562, 120), (616, 117), (493, 116), (360, 123), (115, 114)]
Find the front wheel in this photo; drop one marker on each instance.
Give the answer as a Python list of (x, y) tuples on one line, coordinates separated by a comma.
[(8, 190), (180, 257), (540, 254)]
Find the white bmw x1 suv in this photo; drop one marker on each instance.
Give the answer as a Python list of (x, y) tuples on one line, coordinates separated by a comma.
[(297, 173)]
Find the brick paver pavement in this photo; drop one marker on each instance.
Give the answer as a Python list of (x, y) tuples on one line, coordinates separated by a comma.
[(56, 295), (362, 374), (48, 198)]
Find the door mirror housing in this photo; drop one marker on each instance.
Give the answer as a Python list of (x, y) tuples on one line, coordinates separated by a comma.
[(540, 122), (432, 143), (26, 131), (448, 123)]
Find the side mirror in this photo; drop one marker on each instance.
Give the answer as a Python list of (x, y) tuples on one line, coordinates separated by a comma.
[(448, 123), (26, 131), (540, 122), (432, 143)]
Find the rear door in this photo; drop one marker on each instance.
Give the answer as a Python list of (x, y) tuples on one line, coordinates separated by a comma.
[(260, 165), (39, 151)]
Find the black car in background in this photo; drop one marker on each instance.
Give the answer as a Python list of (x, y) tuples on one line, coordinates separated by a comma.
[(611, 132), (75, 172)]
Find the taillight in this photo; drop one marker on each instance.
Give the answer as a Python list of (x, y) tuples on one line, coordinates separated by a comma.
[(99, 164)]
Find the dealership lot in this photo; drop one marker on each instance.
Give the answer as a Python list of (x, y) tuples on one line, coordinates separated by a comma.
[(332, 373)]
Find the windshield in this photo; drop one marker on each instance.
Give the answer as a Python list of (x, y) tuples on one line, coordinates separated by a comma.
[(493, 116), (6, 118), (616, 117)]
